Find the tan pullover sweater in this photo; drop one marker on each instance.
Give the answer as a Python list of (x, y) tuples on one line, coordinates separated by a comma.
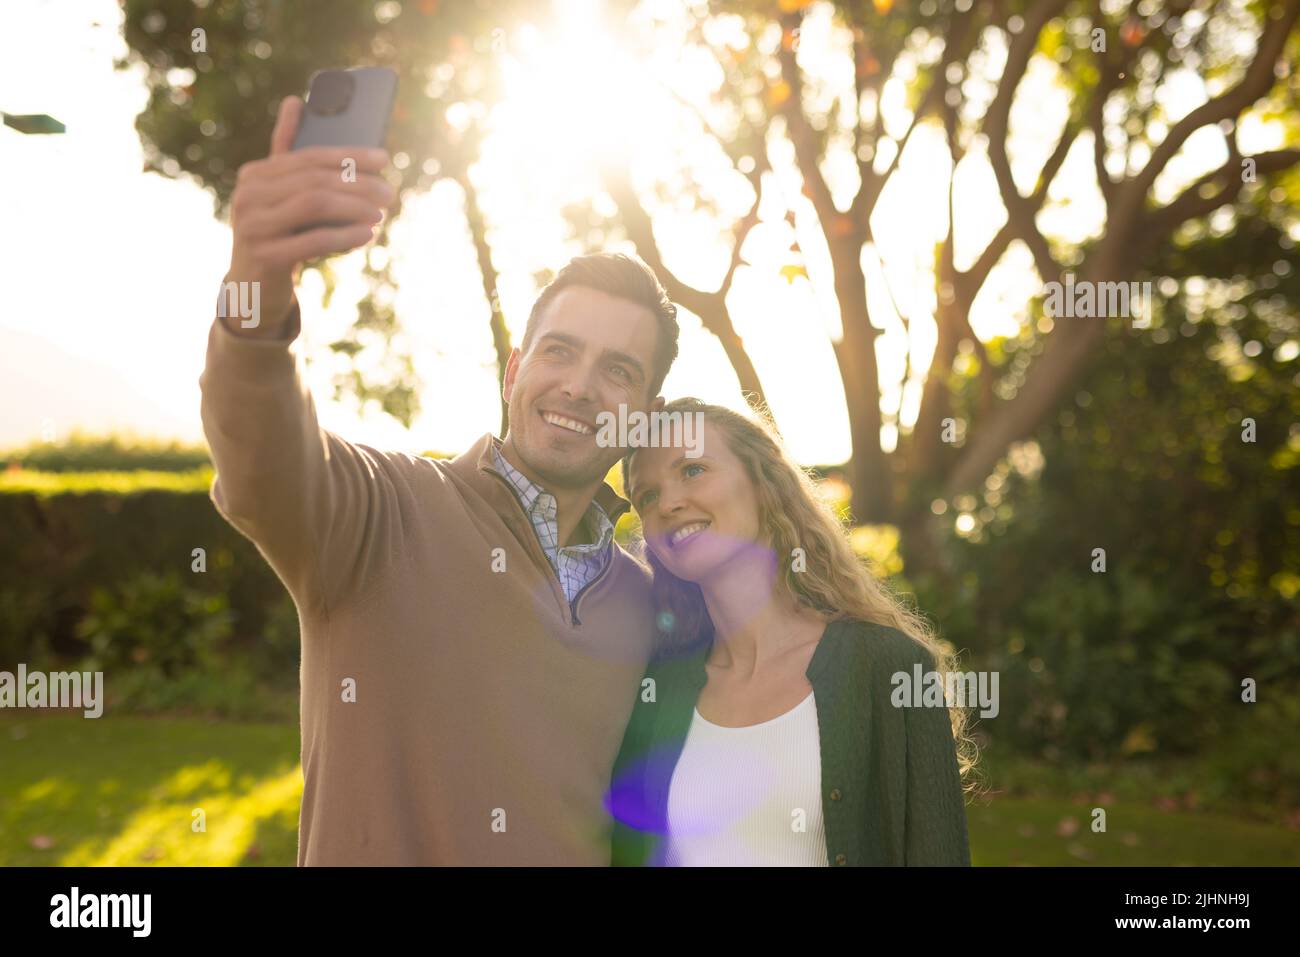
[(488, 711)]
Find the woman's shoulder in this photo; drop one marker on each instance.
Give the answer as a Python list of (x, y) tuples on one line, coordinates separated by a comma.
[(679, 667), (863, 641)]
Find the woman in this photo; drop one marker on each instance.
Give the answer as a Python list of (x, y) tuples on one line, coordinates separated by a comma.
[(764, 733)]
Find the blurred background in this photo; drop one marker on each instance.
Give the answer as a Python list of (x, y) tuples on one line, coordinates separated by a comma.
[(857, 206)]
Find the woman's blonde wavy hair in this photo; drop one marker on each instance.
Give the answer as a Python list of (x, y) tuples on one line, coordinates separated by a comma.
[(836, 583)]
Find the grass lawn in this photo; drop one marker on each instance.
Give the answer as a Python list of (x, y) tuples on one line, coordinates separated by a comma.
[(1057, 832), (125, 790)]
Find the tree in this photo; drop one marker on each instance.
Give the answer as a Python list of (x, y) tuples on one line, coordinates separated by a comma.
[(1177, 453), (216, 72), (1113, 60), (962, 66)]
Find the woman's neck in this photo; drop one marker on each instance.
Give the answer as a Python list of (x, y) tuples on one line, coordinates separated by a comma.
[(755, 618)]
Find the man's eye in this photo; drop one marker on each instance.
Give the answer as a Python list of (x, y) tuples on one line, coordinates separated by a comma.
[(621, 371)]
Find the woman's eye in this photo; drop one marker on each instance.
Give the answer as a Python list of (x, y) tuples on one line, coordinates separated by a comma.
[(686, 470), (647, 499)]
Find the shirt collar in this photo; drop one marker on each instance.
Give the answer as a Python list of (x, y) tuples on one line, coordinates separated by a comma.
[(527, 490), (488, 447)]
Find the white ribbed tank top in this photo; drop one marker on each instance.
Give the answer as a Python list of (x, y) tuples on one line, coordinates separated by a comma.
[(749, 797)]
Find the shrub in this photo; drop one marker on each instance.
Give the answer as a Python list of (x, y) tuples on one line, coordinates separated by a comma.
[(156, 624), (58, 545), (46, 484), (83, 453)]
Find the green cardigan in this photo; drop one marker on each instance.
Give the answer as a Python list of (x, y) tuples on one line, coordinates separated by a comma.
[(891, 790)]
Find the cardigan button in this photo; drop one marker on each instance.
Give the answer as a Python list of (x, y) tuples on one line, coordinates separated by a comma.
[(840, 860), (835, 794)]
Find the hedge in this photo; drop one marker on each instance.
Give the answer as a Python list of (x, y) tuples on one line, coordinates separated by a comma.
[(65, 536)]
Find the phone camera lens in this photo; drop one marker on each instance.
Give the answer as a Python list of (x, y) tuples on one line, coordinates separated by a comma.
[(331, 92)]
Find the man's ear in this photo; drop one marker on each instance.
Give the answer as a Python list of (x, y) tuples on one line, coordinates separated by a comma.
[(512, 369), (656, 404)]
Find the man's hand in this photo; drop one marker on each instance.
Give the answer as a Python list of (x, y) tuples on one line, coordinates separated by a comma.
[(276, 197)]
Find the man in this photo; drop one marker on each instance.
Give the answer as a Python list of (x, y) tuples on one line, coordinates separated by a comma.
[(472, 637)]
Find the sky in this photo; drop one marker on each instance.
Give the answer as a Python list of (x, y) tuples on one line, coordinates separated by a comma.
[(110, 274)]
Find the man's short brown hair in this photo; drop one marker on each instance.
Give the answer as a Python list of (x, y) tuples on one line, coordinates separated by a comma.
[(624, 276)]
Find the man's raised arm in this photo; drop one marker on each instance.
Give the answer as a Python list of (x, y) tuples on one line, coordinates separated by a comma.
[(302, 494)]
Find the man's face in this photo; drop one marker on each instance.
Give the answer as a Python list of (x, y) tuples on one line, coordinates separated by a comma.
[(590, 353)]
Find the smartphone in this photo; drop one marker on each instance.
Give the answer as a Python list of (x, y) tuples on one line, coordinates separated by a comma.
[(346, 108)]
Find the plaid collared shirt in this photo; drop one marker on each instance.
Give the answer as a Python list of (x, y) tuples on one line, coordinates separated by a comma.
[(575, 565)]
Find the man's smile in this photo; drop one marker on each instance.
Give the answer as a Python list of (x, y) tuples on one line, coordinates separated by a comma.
[(566, 423)]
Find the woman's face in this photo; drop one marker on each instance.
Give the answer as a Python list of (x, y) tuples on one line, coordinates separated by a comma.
[(697, 514)]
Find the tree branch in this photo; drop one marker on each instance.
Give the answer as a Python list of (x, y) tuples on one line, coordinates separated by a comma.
[(742, 230), (968, 283), (802, 134), (1131, 193), (871, 184), (1115, 61), (1159, 224), (710, 307), (1019, 211)]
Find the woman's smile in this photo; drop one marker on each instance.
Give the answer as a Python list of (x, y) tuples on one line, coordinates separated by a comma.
[(685, 533)]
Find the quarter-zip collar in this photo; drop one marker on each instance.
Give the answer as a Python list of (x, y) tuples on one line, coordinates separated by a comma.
[(477, 467)]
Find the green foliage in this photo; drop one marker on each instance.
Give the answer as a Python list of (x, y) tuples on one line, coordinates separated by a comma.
[(25, 622), (273, 653), (168, 646), (1255, 758), (1199, 526), (165, 645), (1103, 665), (232, 692), (154, 624), (111, 453), (46, 484), (60, 552)]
